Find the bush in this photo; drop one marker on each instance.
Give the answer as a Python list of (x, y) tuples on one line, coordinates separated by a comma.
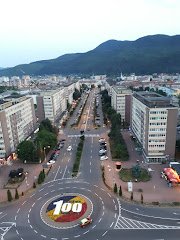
[(16, 194), (142, 198), (9, 195), (131, 196), (115, 188), (120, 191)]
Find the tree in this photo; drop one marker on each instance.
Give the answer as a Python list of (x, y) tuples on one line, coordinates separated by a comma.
[(142, 199), (115, 188), (76, 94), (120, 191), (46, 138), (131, 196), (46, 125), (27, 152), (41, 177), (9, 195), (136, 171), (16, 194)]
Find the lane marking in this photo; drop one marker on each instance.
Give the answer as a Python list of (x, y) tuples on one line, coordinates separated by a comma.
[(56, 173), (104, 233), (64, 172)]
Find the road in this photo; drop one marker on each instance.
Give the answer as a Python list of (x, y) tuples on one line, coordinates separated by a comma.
[(113, 218)]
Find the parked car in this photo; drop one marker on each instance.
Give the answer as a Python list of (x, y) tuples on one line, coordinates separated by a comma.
[(62, 140), (50, 162), (103, 157), (102, 154), (103, 143), (102, 140), (69, 148), (85, 221), (102, 151), (103, 147)]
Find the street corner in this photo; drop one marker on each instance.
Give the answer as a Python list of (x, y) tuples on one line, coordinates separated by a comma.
[(66, 211)]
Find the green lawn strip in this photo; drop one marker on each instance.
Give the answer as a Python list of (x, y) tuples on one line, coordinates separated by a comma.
[(78, 158), (126, 175)]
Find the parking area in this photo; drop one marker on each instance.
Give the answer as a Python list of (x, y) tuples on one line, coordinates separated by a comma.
[(155, 190)]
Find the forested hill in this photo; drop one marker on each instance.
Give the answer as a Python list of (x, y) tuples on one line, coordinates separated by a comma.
[(149, 54)]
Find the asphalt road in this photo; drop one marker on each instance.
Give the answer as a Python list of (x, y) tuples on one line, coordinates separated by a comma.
[(113, 218)]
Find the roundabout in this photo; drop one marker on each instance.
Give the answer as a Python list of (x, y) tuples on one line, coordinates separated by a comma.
[(56, 210), (66, 211)]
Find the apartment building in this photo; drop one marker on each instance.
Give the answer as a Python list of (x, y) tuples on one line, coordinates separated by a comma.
[(154, 121), (121, 102), (17, 122), (51, 104)]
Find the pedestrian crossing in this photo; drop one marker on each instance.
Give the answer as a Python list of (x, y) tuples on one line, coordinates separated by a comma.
[(126, 223), (86, 135)]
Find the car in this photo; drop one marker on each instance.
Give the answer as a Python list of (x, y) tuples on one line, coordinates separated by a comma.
[(103, 147), (102, 151), (85, 221), (103, 143), (69, 148), (62, 140), (102, 140), (50, 162), (102, 154), (103, 157)]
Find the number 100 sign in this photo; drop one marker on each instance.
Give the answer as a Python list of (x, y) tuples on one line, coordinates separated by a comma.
[(66, 207)]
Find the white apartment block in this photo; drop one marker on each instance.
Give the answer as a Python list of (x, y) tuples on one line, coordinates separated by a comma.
[(51, 104), (121, 102), (17, 122), (154, 121)]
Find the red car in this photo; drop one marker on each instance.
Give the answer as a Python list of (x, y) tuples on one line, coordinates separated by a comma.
[(85, 221)]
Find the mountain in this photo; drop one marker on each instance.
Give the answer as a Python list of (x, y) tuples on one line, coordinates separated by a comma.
[(149, 54)]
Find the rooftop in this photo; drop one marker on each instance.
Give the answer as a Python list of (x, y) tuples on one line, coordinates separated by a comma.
[(152, 99)]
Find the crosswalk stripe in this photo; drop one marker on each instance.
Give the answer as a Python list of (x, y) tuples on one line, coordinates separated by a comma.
[(126, 223)]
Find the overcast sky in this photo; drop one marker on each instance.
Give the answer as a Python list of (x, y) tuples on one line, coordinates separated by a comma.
[(33, 30)]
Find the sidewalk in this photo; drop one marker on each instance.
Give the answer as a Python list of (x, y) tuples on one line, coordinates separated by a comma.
[(155, 190)]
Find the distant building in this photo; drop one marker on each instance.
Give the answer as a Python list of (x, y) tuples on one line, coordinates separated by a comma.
[(17, 122), (154, 121), (51, 104), (121, 102)]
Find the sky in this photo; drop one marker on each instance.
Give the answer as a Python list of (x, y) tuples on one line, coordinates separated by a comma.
[(32, 30)]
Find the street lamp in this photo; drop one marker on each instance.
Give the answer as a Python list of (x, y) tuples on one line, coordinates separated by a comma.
[(44, 148)]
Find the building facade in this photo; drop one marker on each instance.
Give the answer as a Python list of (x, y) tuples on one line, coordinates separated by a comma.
[(154, 121), (17, 122), (51, 104), (121, 102)]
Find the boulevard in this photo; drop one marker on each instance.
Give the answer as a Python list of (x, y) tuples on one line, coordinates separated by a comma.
[(112, 217)]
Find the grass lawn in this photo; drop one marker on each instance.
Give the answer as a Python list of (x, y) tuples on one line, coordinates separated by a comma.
[(126, 175)]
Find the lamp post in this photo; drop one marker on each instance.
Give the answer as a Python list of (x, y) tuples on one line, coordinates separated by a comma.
[(44, 148)]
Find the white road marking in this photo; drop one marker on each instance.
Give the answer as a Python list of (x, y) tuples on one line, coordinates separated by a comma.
[(15, 217), (51, 186), (93, 226), (41, 189), (86, 232), (111, 224), (3, 216), (33, 204), (23, 202), (77, 236), (35, 231), (43, 236), (64, 172), (30, 226), (56, 173), (39, 198), (90, 170), (104, 233), (100, 220), (115, 207), (29, 210), (17, 232), (18, 210)]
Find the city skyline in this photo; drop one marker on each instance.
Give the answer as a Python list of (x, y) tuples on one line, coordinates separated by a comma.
[(32, 31)]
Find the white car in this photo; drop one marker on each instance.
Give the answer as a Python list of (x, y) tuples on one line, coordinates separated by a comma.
[(102, 151), (102, 140), (51, 162), (103, 158), (69, 148)]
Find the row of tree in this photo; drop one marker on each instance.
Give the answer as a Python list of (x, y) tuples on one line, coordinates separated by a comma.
[(118, 146), (46, 139)]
